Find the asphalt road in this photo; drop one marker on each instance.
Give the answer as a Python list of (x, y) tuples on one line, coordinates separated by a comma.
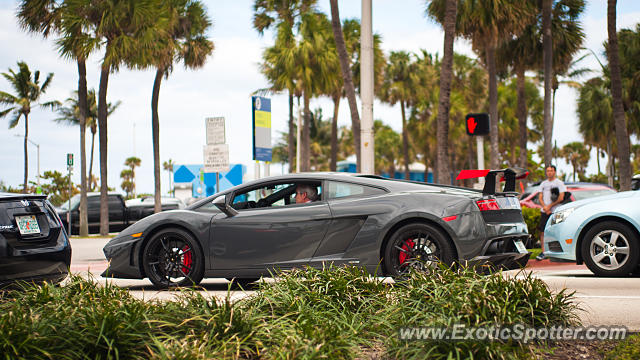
[(604, 301)]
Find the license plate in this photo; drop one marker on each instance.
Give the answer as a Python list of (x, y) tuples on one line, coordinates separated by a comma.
[(28, 224), (520, 246)]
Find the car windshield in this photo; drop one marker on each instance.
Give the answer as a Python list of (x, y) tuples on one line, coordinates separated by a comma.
[(586, 194), (75, 202)]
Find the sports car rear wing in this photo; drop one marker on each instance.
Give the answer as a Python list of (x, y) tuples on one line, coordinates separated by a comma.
[(509, 176)]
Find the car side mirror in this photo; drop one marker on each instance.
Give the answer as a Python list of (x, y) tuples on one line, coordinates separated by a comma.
[(221, 203)]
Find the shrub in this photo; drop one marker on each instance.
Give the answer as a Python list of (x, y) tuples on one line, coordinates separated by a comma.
[(532, 218), (335, 312)]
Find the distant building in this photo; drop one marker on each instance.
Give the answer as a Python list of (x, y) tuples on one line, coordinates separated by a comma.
[(191, 182)]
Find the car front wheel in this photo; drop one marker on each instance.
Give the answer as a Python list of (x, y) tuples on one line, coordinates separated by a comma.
[(172, 258), (416, 247), (610, 248)]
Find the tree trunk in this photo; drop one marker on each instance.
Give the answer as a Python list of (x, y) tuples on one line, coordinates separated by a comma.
[(304, 153), (347, 79), (26, 152), (442, 126), (622, 136), (334, 133), (93, 140), (609, 163), (292, 135), (102, 145), (155, 138), (522, 117), (494, 160), (547, 52), (598, 158), (83, 231), (405, 142)]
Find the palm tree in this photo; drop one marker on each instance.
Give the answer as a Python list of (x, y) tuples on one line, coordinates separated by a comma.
[(576, 154), (347, 80), (185, 41), (399, 86), (282, 15), (132, 162), (48, 16), (622, 135), (487, 24), (387, 148), (168, 166), (449, 25), (524, 52), (127, 28), (27, 93), (595, 118), (70, 114)]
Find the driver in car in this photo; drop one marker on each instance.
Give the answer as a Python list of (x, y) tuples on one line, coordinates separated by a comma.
[(306, 194)]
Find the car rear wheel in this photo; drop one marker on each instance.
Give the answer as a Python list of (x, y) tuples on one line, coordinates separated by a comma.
[(416, 247), (172, 258), (610, 248)]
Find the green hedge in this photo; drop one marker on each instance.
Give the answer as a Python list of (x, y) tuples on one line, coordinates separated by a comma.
[(334, 313), (532, 218)]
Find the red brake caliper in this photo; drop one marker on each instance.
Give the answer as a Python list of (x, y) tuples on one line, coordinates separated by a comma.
[(186, 259), (409, 244)]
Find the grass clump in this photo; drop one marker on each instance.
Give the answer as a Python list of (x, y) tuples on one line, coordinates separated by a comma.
[(629, 349), (336, 313)]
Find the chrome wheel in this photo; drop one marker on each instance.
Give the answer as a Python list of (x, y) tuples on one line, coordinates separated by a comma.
[(609, 249)]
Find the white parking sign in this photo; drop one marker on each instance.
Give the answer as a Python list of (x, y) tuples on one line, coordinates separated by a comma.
[(216, 158)]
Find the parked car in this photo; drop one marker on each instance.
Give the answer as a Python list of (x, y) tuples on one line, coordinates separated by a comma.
[(121, 214), (635, 182), (33, 244), (579, 191), (602, 232), (386, 226), (168, 203)]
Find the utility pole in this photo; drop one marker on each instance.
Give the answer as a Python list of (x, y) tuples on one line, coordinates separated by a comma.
[(366, 93)]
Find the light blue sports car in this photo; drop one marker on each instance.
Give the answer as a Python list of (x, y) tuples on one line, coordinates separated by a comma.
[(602, 232)]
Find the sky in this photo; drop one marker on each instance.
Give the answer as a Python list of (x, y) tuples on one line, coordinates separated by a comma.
[(223, 87)]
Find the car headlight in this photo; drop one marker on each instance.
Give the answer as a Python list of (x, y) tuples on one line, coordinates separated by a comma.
[(561, 216)]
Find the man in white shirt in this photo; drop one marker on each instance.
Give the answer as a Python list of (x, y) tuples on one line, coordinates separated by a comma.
[(547, 202)]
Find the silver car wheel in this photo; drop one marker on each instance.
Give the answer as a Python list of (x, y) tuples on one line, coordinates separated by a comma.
[(609, 249)]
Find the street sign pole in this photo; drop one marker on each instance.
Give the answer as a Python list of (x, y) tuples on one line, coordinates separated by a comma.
[(69, 168), (480, 144)]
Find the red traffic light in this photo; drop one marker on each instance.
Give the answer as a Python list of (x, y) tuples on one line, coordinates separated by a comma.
[(477, 124)]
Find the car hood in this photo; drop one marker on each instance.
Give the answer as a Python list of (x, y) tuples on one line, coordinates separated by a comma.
[(598, 199)]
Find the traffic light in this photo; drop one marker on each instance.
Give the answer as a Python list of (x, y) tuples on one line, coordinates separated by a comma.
[(477, 124)]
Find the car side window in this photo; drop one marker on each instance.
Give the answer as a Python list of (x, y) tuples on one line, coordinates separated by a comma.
[(337, 190), (270, 195)]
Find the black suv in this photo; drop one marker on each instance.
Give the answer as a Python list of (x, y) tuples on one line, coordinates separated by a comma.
[(33, 243)]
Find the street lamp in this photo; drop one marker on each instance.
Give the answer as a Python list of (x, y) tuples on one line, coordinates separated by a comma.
[(38, 151)]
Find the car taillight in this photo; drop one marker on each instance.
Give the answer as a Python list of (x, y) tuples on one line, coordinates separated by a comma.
[(487, 204)]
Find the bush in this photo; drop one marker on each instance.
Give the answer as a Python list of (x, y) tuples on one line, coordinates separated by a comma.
[(532, 218), (336, 312), (629, 349)]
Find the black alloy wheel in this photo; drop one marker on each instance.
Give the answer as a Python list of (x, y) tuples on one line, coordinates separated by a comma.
[(416, 247), (172, 258)]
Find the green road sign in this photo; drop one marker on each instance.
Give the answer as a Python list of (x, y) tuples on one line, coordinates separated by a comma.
[(69, 159)]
